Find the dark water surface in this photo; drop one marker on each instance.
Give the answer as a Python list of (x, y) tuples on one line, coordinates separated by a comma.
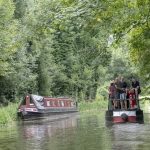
[(79, 132)]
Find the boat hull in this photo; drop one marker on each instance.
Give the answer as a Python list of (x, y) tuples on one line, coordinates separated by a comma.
[(123, 116), (41, 114)]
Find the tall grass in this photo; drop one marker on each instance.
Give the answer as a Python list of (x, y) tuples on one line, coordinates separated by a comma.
[(8, 114), (100, 103), (93, 106)]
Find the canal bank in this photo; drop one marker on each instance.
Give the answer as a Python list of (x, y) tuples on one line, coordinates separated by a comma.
[(8, 114)]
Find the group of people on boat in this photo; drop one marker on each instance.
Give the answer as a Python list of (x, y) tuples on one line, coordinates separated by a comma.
[(123, 95)]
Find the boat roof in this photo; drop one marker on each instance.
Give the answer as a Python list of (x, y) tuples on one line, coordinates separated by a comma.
[(37, 97), (38, 101), (40, 98)]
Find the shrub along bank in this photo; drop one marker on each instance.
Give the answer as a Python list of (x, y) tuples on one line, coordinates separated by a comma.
[(8, 113)]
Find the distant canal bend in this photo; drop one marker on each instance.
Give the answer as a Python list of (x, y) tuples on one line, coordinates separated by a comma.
[(80, 132)]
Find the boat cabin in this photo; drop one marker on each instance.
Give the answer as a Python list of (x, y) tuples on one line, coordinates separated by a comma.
[(39, 105), (33, 100)]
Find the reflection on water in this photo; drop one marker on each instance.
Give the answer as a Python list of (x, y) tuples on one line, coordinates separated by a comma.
[(79, 132), (39, 131), (37, 135)]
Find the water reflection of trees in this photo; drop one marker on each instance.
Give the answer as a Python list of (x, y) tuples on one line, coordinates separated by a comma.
[(84, 133), (36, 135), (42, 130)]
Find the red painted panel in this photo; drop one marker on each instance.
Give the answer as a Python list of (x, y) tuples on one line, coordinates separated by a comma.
[(118, 119), (53, 103), (132, 119), (69, 103), (60, 105), (45, 102)]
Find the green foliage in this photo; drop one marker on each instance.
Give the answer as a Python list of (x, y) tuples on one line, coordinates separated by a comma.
[(129, 24), (8, 114), (61, 48), (95, 105), (8, 42), (77, 52)]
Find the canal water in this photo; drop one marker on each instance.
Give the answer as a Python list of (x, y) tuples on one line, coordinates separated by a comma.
[(86, 131)]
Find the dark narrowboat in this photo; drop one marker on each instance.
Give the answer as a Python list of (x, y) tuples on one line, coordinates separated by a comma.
[(132, 115), (33, 106)]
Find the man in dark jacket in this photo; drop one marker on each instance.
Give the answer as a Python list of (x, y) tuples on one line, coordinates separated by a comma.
[(136, 86)]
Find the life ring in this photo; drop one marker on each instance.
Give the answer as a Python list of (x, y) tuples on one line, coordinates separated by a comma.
[(124, 116)]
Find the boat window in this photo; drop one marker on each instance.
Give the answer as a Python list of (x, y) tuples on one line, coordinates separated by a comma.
[(72, 104), (31, 104), (48, 103), (62, 103)]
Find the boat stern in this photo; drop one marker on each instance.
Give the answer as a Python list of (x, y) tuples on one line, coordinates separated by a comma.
[(122, 116)]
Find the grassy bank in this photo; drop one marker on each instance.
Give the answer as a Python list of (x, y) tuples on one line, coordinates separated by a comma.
[(8, 114), (93, 106)]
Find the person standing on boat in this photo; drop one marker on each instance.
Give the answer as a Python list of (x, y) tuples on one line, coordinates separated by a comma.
[(112, 95), (132, 98), (118, 88), (137, 89), (123, 93), (136, 86)]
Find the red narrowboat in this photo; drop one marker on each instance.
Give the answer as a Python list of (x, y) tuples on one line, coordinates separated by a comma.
[(39, 106)]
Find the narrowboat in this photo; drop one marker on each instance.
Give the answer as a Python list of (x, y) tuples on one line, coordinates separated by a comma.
[(33, 106), (118, 115)]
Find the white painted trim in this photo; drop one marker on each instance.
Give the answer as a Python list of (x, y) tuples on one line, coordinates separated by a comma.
[(119, 113), (31, 109)]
